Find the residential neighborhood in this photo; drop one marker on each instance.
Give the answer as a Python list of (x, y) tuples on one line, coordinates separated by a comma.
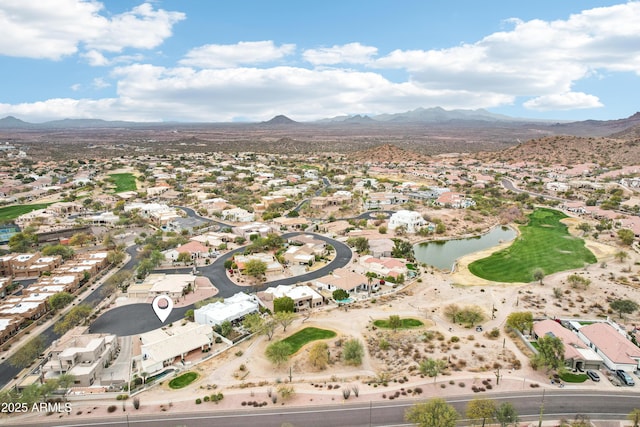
[(231, 238)]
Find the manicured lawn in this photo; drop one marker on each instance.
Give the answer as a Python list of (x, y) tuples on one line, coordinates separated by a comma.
[(11, 212), (123, 182), (406, 323), (183, 380), (305, 336), (544, 244), (569, 377)]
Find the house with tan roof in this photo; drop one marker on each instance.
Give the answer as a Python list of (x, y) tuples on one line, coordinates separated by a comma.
[(344, 279), (273, 266), (454, 200), (164, 347), (193, 248), (173, 285), (577, 355), (286, 223), (303, 296), (386, 267), (612, 345), (335, 228)]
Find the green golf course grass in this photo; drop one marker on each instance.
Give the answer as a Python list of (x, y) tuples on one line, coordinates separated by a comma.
[(124, 182), (183, 380), (305, 336), (407, 323), (12, 212), (544, 243)]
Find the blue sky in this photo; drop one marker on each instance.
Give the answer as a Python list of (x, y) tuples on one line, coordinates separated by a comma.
[(220, 61)]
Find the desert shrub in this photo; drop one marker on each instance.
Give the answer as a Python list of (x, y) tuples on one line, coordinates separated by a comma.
[(198, 401), (111, 408)]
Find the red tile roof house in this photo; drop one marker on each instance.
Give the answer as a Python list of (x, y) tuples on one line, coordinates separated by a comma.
[(577, 355), (610, 344), (193, 248)]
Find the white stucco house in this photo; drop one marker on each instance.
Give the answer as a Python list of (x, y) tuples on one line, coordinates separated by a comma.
[(231, 309), (411, 220)]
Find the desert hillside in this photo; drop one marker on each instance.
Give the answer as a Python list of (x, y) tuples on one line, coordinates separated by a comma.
[(571, 150)]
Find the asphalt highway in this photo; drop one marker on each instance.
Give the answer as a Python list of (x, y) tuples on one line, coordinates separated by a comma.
[(360, 413)]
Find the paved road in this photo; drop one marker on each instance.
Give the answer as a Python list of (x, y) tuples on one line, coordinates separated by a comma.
[(509, 185), (560, 404), (192, 214), (134, 319)]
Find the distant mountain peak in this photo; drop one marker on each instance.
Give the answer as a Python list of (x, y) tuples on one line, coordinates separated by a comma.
[(358, 118), (11, 119), (13, 122), (280, 120)]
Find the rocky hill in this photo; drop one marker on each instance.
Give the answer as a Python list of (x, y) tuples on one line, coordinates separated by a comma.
[(571, 150), (631, 133), (280, 120)]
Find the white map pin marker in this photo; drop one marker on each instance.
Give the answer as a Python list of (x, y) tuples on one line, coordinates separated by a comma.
[(162, 306)]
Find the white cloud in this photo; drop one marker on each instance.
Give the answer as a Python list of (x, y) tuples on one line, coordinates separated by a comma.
[(563, 101), (61, 108), (95, 58), (100, 83), (141, 28), (535, 58), (53, 29), (351, 53), (231, 55)]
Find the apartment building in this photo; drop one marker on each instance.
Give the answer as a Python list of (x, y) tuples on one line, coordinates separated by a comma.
[(85, 356)]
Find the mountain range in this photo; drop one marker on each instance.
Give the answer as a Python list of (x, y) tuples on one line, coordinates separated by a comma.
[(419, 115)]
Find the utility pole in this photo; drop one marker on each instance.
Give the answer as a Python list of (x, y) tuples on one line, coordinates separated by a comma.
[(541, 409)]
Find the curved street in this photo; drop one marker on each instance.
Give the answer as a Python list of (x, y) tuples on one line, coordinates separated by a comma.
[(134, 319), (509, 185)]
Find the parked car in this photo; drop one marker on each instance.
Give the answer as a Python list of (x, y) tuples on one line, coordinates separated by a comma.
[(624, 377), (593, 375)]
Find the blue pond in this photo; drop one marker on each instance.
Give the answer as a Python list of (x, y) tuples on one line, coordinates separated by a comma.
[(444, 253)]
